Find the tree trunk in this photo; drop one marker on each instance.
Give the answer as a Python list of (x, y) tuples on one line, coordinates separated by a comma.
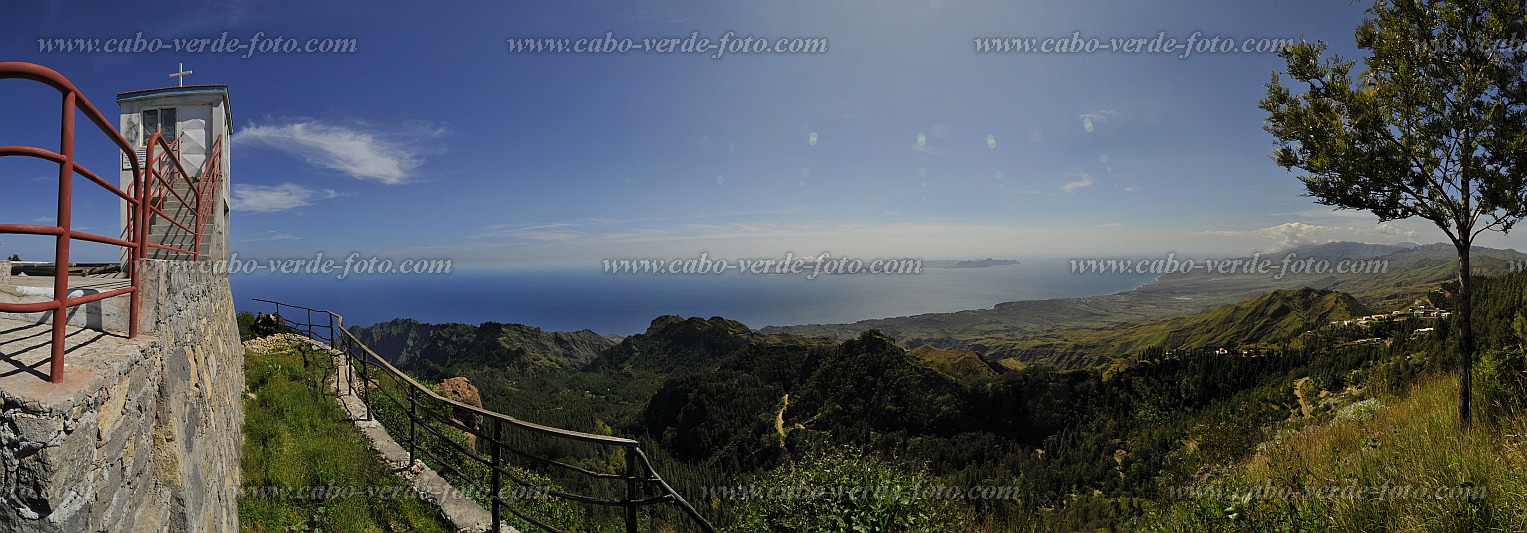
[(1465, 311)]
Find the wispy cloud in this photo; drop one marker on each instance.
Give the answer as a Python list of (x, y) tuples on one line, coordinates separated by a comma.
[(533, 232), (1099, 115), (927, 149), (273, 236), (768, 239), (1084, 180), (358, 150), (269, 199)]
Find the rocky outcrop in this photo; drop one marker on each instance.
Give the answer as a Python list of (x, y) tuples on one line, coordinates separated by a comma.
[(460, 390)]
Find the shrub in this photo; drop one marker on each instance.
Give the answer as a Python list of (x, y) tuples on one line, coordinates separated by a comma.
[(1501, 382), (848, 490)]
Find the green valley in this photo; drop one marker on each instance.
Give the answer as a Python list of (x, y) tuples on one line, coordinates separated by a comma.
[(1080, 429)]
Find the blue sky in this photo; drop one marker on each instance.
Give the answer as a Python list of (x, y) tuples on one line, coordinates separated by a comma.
[(433, 140)]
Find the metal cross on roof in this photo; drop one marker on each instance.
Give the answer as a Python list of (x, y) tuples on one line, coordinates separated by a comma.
[(180, 77)]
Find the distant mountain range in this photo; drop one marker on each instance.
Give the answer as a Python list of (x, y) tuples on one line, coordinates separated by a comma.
[(970, 263), (1174, 307), (1412, 271), (408, 342)]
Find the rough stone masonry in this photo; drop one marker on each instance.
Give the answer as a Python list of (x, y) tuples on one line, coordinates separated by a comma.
[(143, 434)]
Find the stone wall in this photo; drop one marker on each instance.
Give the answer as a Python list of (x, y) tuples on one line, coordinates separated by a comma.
[(143, 434)]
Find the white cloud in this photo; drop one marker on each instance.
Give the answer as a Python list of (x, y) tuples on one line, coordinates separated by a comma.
[(1293, 234), (268, 199), (357, 150), (1084, 181)]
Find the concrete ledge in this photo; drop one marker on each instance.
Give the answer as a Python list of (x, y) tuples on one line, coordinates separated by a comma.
[(110, 314)]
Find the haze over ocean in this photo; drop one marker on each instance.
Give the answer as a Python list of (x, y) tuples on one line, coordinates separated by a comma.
[(571, 298)]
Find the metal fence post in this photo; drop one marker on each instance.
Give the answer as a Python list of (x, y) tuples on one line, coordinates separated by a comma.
[(498, 481), (413, 417), (61, 242), (365, 390), (631, 489), (342, 367)]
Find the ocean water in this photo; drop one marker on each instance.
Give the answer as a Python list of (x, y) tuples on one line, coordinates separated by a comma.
[(582, 297)]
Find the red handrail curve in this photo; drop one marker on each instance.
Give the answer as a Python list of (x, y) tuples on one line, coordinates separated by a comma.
[(136, 235), (157, 165), (210, 182)]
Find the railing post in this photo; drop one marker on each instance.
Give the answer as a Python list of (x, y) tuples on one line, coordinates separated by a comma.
[(365, 390), (498, 482), (150, 180), (61, 244), (413, 416), (631, 489), (140, 239), (344, 360)]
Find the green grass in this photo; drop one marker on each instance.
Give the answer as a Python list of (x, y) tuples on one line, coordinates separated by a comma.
[(1413, 442), (297, 438)]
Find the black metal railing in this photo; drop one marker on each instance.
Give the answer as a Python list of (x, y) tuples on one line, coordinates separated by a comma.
[(482, 450)]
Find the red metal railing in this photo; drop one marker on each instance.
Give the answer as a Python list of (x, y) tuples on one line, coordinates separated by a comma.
[(162, 173), (210, 180), (155, 182)]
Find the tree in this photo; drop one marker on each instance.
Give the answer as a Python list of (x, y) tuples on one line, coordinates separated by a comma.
[(14, 257), (1435, 127)]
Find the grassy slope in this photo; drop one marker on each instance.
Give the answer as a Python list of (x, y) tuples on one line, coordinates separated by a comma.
[(1272, 317), (958, 364), (295, 436), (1413, 442)]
